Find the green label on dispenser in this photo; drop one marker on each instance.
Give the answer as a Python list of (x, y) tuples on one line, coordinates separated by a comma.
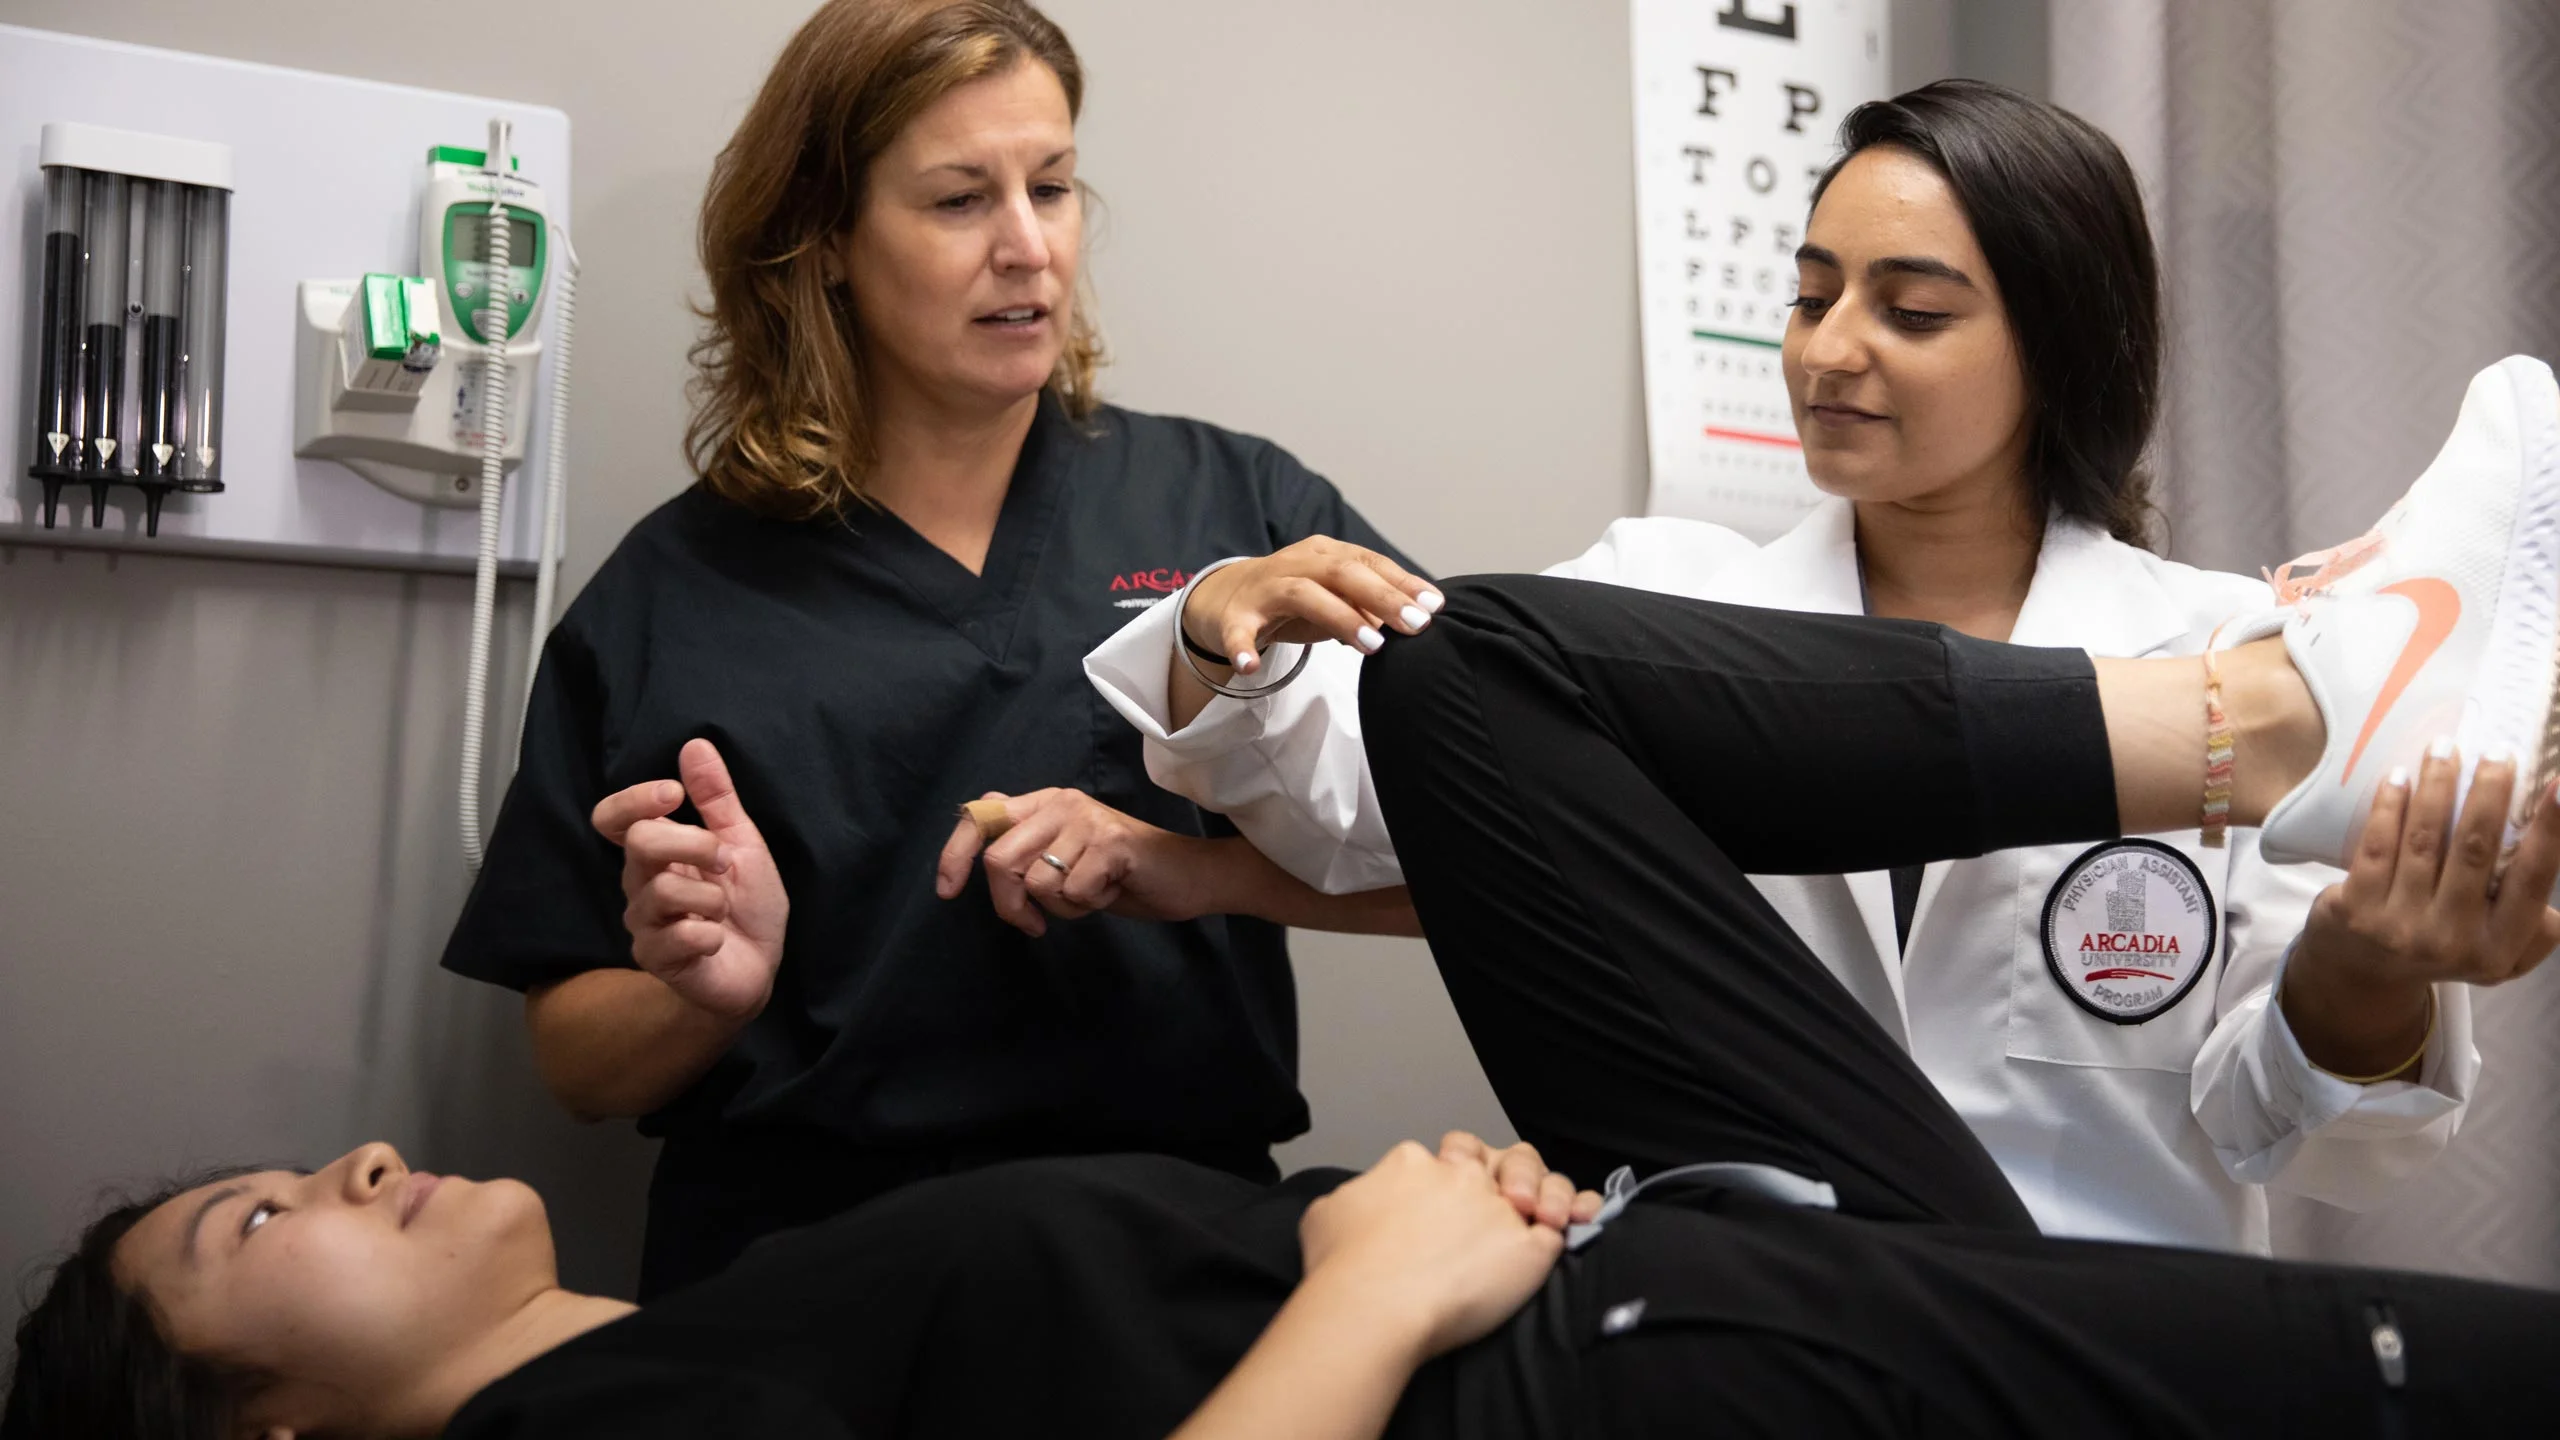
[(386, 320), (391, 335)]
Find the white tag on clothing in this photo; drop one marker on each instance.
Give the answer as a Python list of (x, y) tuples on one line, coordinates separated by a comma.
[(1766, 1181), (2129, 929)]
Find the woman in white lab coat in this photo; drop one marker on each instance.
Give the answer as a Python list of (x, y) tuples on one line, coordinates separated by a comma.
[(1974, 367)]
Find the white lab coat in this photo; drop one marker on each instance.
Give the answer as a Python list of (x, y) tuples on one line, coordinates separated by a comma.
[(2161, 1132)]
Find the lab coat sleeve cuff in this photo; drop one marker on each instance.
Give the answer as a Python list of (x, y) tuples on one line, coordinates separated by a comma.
[(1130, 669), (2446, 1076), (1289, 770), (2276, 1119)]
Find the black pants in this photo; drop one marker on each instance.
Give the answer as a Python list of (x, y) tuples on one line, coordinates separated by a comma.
[(1578, 778)]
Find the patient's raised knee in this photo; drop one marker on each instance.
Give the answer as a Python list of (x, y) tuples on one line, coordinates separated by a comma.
[(1406, 672), (1413, 676)]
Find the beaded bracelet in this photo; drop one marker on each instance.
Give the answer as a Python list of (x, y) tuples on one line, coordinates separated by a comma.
[(2218, 746)]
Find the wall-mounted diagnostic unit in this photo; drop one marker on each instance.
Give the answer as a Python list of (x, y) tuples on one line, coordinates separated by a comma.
[(407, 379), (391, 369), (129, 315), (328, 176), (395, 301)]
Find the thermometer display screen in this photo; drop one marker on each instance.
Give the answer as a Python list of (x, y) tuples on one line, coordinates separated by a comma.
[(470, 240)]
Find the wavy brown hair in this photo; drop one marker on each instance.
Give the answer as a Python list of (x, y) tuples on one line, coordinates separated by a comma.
[(782, 408)]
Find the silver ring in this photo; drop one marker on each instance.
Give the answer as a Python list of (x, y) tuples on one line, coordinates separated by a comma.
[(1053, 862)]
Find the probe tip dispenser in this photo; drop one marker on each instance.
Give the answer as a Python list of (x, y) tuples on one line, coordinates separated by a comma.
[(129, 316)]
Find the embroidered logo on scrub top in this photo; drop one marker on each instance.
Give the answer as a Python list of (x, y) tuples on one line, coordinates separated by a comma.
[(1140, 589), (2129, 929)]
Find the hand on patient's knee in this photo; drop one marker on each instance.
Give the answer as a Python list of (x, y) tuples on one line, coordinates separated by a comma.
[(1318, 589)]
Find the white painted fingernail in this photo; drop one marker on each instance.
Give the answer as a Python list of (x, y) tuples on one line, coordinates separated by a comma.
[(2442, 749), (2398, 779), (1370, 639), (2499, 756), (1245, 662), (1430, 600), (1415, 617)]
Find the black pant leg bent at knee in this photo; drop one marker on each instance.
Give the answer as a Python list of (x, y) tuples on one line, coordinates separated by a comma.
[(1810, 744), (1573, 775)]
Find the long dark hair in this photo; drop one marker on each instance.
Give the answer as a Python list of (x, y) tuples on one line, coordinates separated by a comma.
[(91, 1359), (2059, 216)]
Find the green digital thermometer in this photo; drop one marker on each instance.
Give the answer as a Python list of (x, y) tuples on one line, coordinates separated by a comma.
[(453, 239)]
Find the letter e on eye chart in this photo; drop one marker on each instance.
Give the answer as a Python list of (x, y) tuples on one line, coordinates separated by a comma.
[(1736, 106)]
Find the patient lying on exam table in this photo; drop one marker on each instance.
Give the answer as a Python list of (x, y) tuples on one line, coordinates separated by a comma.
[(1117, 1296), (1467, 1292)]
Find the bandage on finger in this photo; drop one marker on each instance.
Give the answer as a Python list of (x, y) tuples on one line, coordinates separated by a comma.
[(991, 817)]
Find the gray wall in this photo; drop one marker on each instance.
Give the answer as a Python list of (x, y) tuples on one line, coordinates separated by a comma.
[(1395, 234)]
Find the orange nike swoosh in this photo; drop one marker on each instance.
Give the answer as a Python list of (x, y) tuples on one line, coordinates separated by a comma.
[(2439, 609)]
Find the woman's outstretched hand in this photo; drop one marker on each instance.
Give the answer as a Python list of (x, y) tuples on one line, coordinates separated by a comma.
[(704, 904), (1317, 589), (1452, 1242), (2417, 908)]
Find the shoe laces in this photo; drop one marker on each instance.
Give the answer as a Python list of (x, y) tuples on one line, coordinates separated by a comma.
[(2304, 576)]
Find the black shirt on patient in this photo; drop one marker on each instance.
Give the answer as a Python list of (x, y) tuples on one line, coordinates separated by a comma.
[(1098, 1296)]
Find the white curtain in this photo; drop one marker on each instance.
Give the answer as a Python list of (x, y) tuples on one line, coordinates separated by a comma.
[(2358, 205)]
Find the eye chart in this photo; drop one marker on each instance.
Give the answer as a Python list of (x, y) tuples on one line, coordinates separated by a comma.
[(1737, 103)]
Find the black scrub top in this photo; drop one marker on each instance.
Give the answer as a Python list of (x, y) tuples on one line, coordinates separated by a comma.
[(1102, 1296), (861, 684)]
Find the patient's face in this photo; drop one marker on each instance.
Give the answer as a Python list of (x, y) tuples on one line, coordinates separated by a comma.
[(1899, 359), (347, 1282)]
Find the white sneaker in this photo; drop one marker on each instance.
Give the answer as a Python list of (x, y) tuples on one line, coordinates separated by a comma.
[(2444, 620)]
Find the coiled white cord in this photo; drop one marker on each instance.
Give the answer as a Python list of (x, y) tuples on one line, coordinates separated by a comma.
[(555, 481), (493, 479)]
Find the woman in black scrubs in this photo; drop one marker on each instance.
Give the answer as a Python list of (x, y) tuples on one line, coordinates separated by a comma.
[(913, 519)]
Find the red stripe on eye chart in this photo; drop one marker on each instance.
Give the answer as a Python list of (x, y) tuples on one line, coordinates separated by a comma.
[(1718, 432)]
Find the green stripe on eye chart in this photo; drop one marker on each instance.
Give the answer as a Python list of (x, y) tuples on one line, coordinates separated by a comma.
[(1734, 339)]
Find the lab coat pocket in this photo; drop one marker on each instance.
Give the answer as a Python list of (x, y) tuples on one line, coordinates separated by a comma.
[(2112, 957)]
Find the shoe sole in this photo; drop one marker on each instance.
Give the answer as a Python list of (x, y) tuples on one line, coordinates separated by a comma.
[(2525, 632)]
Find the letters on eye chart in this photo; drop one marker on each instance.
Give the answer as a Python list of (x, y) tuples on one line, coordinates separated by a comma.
[(1737, 106)]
